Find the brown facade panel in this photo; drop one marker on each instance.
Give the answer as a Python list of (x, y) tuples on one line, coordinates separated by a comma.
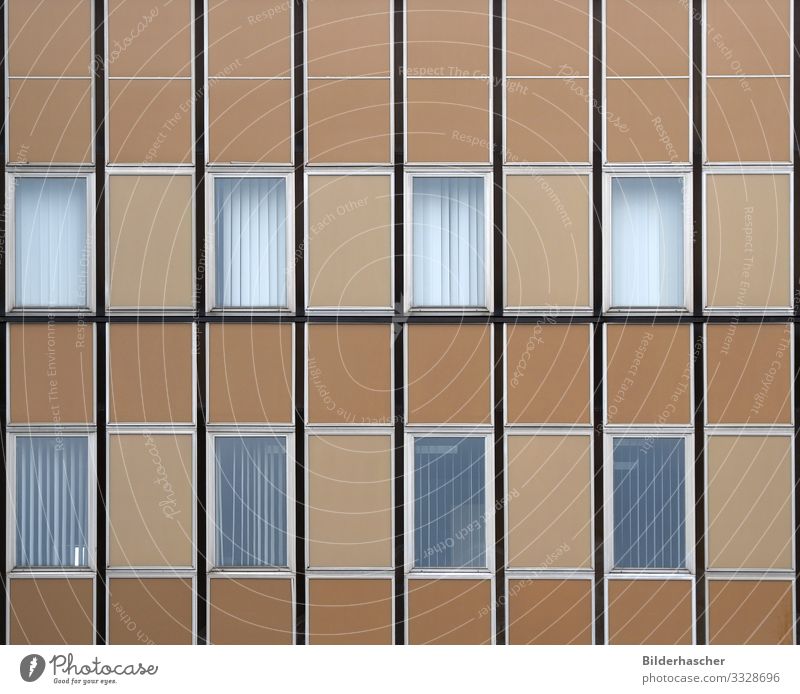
[(46, 611), (150, 481), (549, 502), (549, 612), (251, 611), (150, 611), (750, 612), (350, 501), (748, 240), (451, 612), (649, 374), (650, 612), (150, 242), (749, 502), (349, 378), (51, 373), (749, 373), (350, 611), (150, 372), (250, 370), (449, 374)]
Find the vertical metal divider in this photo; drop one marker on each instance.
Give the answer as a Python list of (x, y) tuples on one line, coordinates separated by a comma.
[(795, 66), (4, 617)]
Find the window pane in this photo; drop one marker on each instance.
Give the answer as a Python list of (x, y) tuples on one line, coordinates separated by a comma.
[(250, 218), (52, 508), (251, 501), (449, 239), (50, 242), (649, 503), (647, 242), (449, 503)]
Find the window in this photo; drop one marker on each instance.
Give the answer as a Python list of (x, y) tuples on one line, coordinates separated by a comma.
[(649, 503), (250, 218), (52, 501), (449, 245), (449, 502), (251, 507), (647, 242), (51, 242)]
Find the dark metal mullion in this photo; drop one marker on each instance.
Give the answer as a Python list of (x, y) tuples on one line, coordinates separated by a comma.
[(3, 355), (796, 305)]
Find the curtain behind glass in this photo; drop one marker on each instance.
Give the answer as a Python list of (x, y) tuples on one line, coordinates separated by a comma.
[(50, 242), (449, 506), (52, 505), (251, 501), (649, 503), (647, 241), (448, 242), (250, 219)]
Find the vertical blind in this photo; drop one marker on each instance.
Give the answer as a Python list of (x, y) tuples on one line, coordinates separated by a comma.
[(50, 240), (250, 219), (647, 242), (649, 503), (251, 507), (52, 504), (448, 241), (449, 506)]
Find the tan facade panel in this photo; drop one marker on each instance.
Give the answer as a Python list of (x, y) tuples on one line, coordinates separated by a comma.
[(160, 610), (349, 374), (647, 37), (49, 611), (349, 38), (749, 374), (448, 38), (547, 241), (150, 237), (649, 374), (549, 502), (350, 611), (250, 373), (150, 372), (748, 240), (251, 611), (350, 501), (449, 374), (548, 374), (751, 38), (349, 121), (647, 120), (50, 121), (650, 612), (548, 37), (750, 612), (150, 500), (249, 38), (550, 612), (547, 120), (448, 120), (36, 49), (749, 502), (51, 373), (748, 124), (150, 38), (455, 612), (350, 241), (150, 121), (250, 121)]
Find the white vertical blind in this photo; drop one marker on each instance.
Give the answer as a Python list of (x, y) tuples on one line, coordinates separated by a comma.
[(647, 220), (250, 242), (52, 504), (448, 241), (251, 510), (50, 241)]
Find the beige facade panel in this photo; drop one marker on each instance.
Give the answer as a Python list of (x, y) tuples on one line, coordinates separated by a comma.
[(454, 612), (251, 611), (350, 611), (47, 611), (650, 613), (750, 612), (159, 608), (547, 612)]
